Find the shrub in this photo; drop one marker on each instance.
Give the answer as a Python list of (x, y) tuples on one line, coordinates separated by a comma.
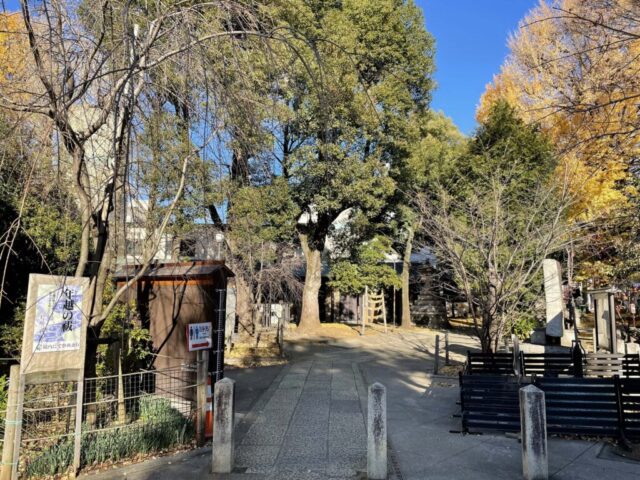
[(160, 427), (524, 325), (4, 394)]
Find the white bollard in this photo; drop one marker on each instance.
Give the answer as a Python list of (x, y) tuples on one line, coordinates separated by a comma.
[(377, 433), (533, 425), (223, 413)]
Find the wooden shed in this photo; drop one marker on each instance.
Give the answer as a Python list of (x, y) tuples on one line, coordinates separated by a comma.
[(171, 296)]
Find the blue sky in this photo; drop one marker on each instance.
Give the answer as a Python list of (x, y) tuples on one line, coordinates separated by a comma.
[(471, 44)]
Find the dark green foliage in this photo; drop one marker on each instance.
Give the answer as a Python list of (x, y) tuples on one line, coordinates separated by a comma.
[(131, 340), (39, 231), (504, 147), (493, 220), (368, 67), (524, 324), (4, 395), (364, 269)]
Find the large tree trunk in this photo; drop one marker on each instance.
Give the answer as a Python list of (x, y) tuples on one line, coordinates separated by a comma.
[(485, 333), (244, 305), (406, 272), (310, 314)]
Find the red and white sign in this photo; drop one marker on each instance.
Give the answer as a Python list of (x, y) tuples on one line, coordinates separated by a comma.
[(199, 336)]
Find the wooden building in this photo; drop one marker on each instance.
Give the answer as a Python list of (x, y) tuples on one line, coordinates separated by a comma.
[(171, 296)]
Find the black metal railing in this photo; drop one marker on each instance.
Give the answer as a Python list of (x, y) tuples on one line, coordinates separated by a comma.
[(602, 407)]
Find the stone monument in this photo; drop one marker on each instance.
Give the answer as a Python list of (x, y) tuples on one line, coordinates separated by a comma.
[(554, 301), (605, 321)]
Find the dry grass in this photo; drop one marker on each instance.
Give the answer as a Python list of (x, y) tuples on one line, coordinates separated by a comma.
[(325, 331), (241, 351), (337, 331)]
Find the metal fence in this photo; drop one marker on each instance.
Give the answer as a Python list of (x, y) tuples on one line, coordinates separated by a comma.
[(4, 391), (554, 364), (123, 416), (603, 407)]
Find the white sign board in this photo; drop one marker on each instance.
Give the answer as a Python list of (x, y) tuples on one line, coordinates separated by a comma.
[(199, 336), (55, 325)]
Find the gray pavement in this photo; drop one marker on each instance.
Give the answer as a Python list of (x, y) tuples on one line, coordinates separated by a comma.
[(420, 414), (312, 426), (305, 421)]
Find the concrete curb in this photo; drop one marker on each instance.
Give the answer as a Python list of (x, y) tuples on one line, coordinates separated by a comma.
[(151, 465)]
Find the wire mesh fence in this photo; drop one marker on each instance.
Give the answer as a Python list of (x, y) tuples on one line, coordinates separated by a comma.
[(124, 416), (4, 391)]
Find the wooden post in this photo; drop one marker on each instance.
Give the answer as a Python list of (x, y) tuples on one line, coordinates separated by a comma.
[(17, 437), (446, 348), (77, 436), (11, 422), (280, 330), (393, 306), (365, 308), (122, 411), (384, 312), (201, 394), (437, 355), (595, 340)]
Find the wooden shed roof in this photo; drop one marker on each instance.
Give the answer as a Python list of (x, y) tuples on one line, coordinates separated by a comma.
[(181, 270)]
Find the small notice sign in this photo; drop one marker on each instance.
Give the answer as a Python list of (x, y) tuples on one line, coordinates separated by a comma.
[(199, 336), (58, 320)]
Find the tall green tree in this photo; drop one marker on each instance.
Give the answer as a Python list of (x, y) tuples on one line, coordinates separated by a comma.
[(495, 218), (423, 155), (359, 70), (365, 268)]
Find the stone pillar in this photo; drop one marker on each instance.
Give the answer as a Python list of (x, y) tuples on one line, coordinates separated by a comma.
[(377, 433), (613, 329), (603, 319), (553, 297), (533, 425), (516, 355), (223, 413)]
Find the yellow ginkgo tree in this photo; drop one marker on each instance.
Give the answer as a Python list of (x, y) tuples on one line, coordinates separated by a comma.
[(574, 68)]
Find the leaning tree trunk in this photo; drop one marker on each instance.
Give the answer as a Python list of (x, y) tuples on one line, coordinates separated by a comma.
[(310, 314), (406, 272)]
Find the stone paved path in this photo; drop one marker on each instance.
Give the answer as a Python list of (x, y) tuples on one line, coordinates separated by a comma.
[(308, 424), (311, 425)]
